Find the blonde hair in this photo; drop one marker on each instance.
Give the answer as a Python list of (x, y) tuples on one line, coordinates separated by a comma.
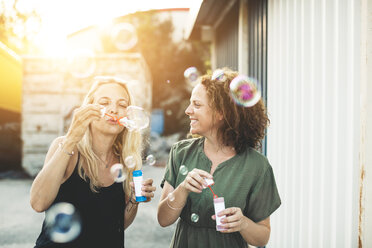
[(126, 143)]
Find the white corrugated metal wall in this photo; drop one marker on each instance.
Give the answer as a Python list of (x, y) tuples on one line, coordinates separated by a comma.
[(313, 103)]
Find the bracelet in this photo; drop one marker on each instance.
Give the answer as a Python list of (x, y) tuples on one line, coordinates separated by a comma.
[(60, 145), (133, 203), (172, 207)]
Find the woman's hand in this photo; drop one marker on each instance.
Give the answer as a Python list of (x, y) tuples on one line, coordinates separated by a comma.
[(194, 180), (82, 117), (234, 220), (147, 189)]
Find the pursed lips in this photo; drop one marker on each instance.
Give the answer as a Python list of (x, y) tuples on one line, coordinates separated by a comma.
[(111, 121)]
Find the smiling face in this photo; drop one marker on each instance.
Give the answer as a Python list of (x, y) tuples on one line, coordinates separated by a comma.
[(204, 120), (115, 99)]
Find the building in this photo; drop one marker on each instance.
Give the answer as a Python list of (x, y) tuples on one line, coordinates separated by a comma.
[(313, 60), (10, 108)]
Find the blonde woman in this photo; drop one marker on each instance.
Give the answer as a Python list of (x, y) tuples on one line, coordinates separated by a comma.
[(77, 170)]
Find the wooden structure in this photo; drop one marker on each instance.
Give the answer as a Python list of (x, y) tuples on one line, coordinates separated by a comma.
[(51, 93)]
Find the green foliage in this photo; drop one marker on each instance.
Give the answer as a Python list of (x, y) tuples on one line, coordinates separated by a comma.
[(167, 61), (18, 27)]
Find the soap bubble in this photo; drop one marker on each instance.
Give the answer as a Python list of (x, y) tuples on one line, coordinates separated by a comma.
[(82, 63), (124, 36), (129, 124), (244, 91), (136, 119), (218, 75), (183, 170), (150, 159), (194, 217), (62, 222), (130, 162), (191, 74), (117, 171), (171, 197)]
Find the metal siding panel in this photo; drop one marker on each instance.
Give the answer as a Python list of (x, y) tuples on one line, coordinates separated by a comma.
[(264, 50), (250, 38), (257, 42), (257, 46), (365, 160), (335, 107), (286, 115), (324, 142), (296, 87), (317, 27), (312, 144), (234, 54), (259, 38), (227, 40), (254, 35), (354, 94)]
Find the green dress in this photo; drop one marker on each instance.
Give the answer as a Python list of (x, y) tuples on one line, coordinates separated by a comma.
[(245, 181)]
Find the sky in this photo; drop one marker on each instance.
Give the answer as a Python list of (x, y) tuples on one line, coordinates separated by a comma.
[(62, 17)]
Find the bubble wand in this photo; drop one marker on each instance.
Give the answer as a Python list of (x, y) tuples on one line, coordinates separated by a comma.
[(135, 119), (214, 195), (115, 118)]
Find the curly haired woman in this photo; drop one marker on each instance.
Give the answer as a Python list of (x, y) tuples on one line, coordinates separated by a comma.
[(224, 151)]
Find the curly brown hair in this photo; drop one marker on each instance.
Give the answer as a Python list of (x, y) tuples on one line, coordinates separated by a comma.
[(242, 127)]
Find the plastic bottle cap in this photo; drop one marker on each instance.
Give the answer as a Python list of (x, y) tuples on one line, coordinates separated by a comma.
[(141, 198), (137, 173)]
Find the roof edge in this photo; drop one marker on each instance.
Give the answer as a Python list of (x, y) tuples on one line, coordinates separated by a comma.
[(193, 16)]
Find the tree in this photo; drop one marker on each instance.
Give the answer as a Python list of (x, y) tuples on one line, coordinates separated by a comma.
[(18, 27), (167, 61)]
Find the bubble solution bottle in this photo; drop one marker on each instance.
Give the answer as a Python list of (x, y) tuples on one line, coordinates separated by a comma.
[(219, 205), (137, 179)]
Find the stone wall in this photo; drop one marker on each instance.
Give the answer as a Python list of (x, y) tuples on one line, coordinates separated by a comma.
[(51, 92)]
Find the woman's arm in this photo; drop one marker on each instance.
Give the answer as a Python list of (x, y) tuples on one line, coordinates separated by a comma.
[(45, 187), (170, 209), (130, 213), (256, 234)]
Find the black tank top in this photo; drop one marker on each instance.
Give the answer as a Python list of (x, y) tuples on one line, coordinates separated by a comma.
[(102, 214)]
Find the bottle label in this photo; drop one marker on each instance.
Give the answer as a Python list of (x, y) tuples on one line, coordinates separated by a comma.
[(219, 205), (137, 185)]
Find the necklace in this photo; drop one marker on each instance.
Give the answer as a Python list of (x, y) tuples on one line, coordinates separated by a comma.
[(108, 162)]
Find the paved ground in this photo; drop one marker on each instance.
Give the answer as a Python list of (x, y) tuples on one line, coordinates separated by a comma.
[(20, 225)]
